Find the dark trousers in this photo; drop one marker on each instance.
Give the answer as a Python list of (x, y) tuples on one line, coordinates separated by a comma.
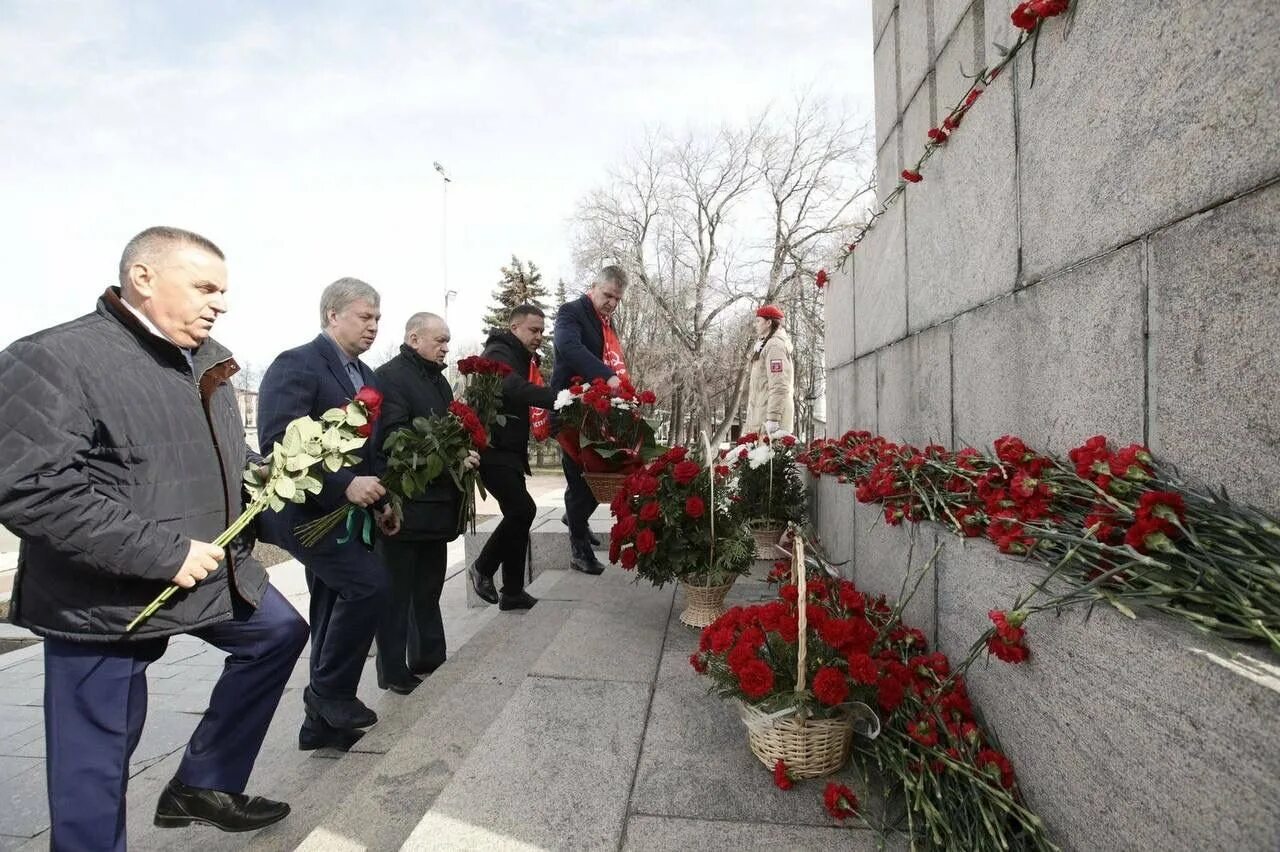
[(411, 631), (579, 502), (508, 545), (348, 586), (95, 703)]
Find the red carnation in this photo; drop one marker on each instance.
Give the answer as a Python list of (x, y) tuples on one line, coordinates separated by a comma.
[(924, 731), (756, 679), (648, 397), (937, 134), (821, 278), (694, 507), (686, 472), (629, 557), (646, 541), (911, 176), (1049, 8), (781, 776), (997, 766), (840, 801), (650, 511), (972, 97), (862, 668), (699, 664), (1024, 16), (830, 686)]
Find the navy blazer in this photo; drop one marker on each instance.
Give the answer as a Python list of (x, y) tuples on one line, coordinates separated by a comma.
[(306, 382), (579, 344)]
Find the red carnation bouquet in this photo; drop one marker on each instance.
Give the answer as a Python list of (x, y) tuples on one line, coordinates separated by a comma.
[(483, 392), (606, 431), (675, 520)]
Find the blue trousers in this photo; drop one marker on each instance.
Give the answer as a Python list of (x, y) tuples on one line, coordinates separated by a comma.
[(95, 703), (348, 586)]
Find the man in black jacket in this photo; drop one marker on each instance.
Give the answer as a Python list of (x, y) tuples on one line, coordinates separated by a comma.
[(121, 456), (505, 464), (587, 348), (411, 637)]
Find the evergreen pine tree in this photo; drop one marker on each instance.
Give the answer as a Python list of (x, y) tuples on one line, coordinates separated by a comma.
[(519, 285)]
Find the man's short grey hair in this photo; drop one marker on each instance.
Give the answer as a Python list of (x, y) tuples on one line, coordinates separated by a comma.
[(613, 274), (153, 243), (420, 321), (343, 292)]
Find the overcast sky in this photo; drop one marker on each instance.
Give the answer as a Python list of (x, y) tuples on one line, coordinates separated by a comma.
[(300, 136)]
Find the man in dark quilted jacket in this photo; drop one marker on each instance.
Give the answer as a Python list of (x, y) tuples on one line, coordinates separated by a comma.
[(121, 456)]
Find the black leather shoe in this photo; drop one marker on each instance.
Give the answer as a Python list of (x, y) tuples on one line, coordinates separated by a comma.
[(317, 733), (181, 805), (401, 686), (584, 560), (343, 713), (483, 585), (591, 537), (521, 600)]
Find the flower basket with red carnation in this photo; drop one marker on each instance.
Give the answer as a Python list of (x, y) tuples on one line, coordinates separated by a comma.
[(605, 432), (802, 675), (769, 488), (675, 522)]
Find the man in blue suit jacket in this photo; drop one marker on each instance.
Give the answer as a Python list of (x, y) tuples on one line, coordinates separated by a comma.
[(346, 580), (580, 352)]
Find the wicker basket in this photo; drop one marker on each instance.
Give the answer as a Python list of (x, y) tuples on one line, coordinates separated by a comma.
[(810, 748), (767, 542), (605, 486), (703, 604)]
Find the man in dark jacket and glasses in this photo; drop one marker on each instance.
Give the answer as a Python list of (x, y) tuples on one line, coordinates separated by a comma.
[(121, 457), (411, 637), (504, 466)]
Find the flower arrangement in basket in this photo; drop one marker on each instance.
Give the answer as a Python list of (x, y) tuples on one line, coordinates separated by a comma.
[(768, 486), (675, 521), (804, 676), (605, 432)]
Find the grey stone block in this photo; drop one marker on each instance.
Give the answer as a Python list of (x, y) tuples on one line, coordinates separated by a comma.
[(841, 395), (16, 720), (959, 59), (832, 519), (26, 813), (880, 283), (889, 164), (997, 24), (1057, 362), (913, 387), (1147, 147), (885, 61), (947, 272), (697, 763), (513, 788), (915, 46), (1142, 730), (838, 302), (865, 405), (896, 562), (947, 15), (598, 646), (916, 121), (1215, 346), (881, 10), (657, 834)]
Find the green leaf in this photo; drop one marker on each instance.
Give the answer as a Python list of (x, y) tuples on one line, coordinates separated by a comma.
[(421, 424), (309, 484), (333, 463), (300, 462), (355, 417), (284, 487), (351, 460), (292, 440), (334, 415)]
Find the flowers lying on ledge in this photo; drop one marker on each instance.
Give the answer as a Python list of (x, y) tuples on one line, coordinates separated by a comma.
[(1114, 524), (932, 752)]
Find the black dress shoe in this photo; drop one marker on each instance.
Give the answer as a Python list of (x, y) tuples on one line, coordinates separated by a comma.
[(317, 733), (584, 560), (483, 585), (520, 600), (401, 686), (591, 537), (181, 805), (343, 713)]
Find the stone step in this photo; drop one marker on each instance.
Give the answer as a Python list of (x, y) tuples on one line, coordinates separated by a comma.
[(548, 543)]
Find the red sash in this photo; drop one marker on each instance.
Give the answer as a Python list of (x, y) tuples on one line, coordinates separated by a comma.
[(539, 418), (612, 349)]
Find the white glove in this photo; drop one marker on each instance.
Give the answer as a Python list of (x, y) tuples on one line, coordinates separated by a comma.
[(771, 426)]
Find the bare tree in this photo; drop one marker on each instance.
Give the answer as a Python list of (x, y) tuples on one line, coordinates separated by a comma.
[(678, 214)]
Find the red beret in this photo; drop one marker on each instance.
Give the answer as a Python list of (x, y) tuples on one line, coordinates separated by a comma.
[(770, 312)]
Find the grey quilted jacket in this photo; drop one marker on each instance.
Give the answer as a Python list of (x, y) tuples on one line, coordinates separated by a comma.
[(113, 455)]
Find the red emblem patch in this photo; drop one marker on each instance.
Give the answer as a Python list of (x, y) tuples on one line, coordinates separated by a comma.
[(775, 366)]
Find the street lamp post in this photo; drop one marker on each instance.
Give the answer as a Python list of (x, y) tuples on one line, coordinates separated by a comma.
[(444, 235)]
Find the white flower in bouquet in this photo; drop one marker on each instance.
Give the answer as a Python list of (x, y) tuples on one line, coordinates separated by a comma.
[(564, 399), (760, 454)]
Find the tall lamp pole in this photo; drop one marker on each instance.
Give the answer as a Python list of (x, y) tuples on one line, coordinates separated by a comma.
[(444, 235)]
